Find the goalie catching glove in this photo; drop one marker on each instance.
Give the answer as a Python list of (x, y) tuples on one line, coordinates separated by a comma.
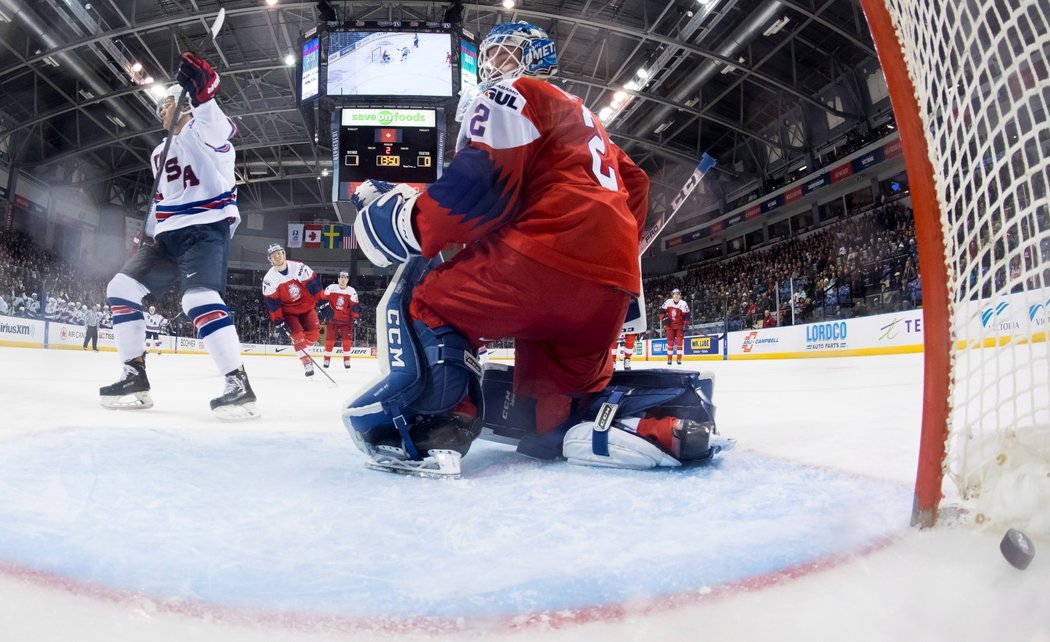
[(384, 222)]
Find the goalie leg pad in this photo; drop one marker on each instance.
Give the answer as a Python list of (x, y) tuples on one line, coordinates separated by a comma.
[(428, 372)]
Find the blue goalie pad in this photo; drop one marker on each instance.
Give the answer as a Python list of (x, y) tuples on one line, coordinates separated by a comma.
[(427, 372), (656, 393)]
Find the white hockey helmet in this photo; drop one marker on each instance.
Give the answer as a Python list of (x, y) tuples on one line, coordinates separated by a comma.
[(527, 45), (172, 92), (152, 309), (343, 273), (676, 291)]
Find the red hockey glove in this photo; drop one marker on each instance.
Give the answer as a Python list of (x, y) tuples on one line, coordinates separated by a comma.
[(198, 78)]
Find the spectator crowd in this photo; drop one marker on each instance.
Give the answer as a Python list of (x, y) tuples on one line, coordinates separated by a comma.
[(862, 264)]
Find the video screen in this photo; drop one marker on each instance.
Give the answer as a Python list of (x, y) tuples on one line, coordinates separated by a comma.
[(468, 60), (384, 63), (311, 65)]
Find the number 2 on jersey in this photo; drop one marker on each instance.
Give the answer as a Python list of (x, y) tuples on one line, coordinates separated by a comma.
[(600, 166)]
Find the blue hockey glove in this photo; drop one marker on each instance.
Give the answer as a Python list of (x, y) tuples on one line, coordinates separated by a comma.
[(325, 312), (384, 222)]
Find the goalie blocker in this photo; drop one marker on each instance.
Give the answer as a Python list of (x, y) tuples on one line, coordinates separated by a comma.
[(644, 419)]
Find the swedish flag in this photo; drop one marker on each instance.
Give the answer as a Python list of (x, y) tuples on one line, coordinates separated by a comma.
[(330, 236)]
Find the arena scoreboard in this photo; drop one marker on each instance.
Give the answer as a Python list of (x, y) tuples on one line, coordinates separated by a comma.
[(400, 145)]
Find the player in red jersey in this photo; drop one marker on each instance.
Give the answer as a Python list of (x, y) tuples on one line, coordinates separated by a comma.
[(343, 300), (291, 293), (551, 213), (674, 314), (626, 349)]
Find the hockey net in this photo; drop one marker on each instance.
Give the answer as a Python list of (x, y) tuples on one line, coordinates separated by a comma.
[(969, 85)]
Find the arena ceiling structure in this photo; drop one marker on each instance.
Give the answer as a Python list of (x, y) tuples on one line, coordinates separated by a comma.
[(743, 80)]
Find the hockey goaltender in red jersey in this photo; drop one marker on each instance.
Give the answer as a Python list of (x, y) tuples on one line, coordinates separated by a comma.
[(293, 297), (551, 213)]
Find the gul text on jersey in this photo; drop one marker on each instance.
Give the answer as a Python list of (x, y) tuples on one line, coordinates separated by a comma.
[(197, 185), (536, 171)]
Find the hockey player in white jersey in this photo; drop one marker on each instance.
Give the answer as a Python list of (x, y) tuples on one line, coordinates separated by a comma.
[(186, 240), (154, 322)]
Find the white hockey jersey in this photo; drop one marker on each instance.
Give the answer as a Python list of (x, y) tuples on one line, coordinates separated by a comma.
[(198, 185), (154, 322)]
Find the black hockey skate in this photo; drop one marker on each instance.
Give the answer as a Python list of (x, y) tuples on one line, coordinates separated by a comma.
[(132, 391), (237, 400)]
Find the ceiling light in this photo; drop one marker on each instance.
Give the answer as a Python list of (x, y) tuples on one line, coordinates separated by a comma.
[(148, 80), (620, 96), (615, 104), (324, 172), (631, 86), (641, 74), (662, 127), (776, 26), (605, 113), (86, 94), (51, 61), (508, 4), (271, 2), (157, 90), (802, 169), (289, 60), (116, 121), (136, 66)]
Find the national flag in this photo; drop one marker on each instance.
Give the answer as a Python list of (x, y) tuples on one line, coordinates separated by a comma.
[(295, 235), (349, 240), (330, 236), (388, 135), (312, 235)]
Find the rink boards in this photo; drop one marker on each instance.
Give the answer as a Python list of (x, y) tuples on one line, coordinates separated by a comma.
[(1016, 318)]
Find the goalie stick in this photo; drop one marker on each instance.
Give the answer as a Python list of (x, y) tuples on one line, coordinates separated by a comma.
[(213, 32), (635, 321)]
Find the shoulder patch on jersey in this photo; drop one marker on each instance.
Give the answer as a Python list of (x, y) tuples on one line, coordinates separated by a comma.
[(506, 96)]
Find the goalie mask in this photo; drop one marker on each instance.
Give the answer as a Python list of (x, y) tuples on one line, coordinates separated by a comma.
[(515, 49)]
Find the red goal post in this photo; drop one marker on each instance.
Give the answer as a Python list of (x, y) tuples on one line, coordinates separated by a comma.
[(970, 88)]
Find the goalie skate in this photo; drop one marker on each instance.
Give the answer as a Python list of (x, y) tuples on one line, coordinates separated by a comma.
[(438, 464)]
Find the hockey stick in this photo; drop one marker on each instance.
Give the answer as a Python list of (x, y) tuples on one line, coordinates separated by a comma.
[(706, 163), (212, 33), (318, 368), (635, 321)]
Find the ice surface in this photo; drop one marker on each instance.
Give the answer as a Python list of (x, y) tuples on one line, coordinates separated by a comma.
[(169, 525)]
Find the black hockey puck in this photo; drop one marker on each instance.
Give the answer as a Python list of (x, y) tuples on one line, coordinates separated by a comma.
[(1017, 549)]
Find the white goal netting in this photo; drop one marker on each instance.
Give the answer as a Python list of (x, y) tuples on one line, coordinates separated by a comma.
[(981, 72)]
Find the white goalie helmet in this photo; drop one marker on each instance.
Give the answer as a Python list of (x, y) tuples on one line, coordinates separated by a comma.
[(526, 46), (173, 93)]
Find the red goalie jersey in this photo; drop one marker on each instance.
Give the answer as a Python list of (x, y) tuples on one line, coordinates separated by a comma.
[(534, 172)]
